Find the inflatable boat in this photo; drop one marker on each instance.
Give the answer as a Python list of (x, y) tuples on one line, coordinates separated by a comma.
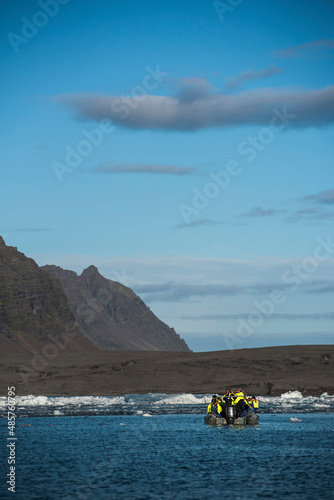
[(233, 415)]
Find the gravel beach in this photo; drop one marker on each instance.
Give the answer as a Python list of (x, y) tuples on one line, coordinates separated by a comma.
[(262, 371)]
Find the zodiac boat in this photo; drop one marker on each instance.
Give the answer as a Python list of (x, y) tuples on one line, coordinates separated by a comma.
[(233, 415)]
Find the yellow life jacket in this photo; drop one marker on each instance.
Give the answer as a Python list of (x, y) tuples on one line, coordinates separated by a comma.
[(255, 403), (237, 399), (228, 395), (214, 408)]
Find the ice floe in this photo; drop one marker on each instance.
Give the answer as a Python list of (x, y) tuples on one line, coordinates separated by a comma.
[(154, 403)]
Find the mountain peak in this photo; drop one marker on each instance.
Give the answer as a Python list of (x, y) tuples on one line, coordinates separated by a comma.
[(90, 271), (34, 309), (112, 316), (100, 313)]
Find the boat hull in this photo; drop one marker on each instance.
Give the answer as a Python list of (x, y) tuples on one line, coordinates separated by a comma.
[(250, 418)]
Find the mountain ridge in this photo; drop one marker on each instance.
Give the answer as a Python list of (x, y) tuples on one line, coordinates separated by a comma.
[(101, 306), (39, 305), (33, 306)]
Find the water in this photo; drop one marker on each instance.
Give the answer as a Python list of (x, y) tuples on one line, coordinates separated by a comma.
[(158, 447)]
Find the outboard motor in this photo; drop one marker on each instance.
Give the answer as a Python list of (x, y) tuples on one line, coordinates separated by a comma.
[(230, 412)]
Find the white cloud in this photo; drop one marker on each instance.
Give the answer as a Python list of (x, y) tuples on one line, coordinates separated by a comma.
[(198, 223), (316, 47), (196, 107), (117, 167), (261, 212), (250, 75), (274, 316), (324, 197)]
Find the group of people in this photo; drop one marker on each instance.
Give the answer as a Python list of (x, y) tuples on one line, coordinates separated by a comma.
[(238, 398)]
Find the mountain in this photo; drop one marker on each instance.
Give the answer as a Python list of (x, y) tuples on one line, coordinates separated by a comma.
[(33, 307), (112, 316), (46, 309)]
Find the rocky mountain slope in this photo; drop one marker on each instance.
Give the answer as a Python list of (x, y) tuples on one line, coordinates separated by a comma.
[(47, 306), (33, 306), (112, 315)]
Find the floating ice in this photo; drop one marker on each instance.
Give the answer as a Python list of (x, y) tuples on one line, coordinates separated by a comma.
[(68, 400), (292, 395), (32, 400), (155, 403), (183, 399), (295, 419)]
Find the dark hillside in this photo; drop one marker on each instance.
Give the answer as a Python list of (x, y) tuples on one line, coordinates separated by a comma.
[(112, 315)]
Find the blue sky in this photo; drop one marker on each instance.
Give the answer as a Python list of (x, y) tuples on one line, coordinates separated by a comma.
[(185, 149)]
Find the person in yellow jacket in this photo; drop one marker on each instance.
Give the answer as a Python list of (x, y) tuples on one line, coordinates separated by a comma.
[(248, 400), (254, 402), (228, 394), (238, 396), (214, 406), (241, 400)]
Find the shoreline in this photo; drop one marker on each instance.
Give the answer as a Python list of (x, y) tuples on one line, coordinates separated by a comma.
[(267, 371)]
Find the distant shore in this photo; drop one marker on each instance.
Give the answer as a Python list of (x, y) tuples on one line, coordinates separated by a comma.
[(261, 371)]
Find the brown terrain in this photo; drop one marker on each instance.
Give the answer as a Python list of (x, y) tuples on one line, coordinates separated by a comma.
[(263, 371)]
